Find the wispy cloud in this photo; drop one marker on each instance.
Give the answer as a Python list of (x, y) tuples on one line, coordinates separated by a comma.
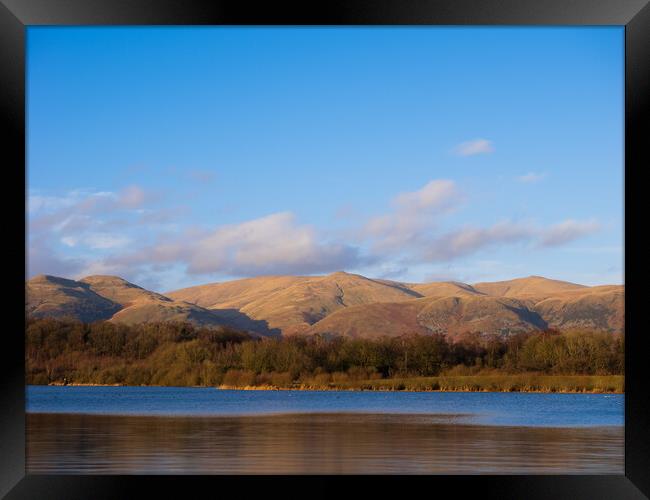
[(97, 241), (531, 177), (435, 195), (161, 216), (567, 231), (469, 240), (43, 259), (131, 197), (67, 232), (474, 147), (39, 203), (122, 233), (84, 201), (414, 213), (412, 229), (274, 244)]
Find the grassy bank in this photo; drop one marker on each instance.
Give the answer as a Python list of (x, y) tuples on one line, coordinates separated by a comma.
[(467, 383)]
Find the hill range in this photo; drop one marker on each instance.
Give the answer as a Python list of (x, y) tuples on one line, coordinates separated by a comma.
[(338, 304)]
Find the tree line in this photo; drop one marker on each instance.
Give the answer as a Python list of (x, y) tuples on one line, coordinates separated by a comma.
[(180, 354)]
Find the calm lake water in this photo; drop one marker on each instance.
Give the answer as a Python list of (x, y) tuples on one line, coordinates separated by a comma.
[(156, 430)]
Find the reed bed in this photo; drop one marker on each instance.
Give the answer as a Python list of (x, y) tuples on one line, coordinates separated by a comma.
[(485, 383)]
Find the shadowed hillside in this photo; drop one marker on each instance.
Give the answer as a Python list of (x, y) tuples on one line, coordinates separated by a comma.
[(447, 315), (49, 296), (110, 298), (120, 291), (599, 307)]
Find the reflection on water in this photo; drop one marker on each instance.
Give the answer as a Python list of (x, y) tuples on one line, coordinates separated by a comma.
[(312, 444), (493, 408)]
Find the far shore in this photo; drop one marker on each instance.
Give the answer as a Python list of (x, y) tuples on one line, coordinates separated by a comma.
[(381, 389), (570, 384)]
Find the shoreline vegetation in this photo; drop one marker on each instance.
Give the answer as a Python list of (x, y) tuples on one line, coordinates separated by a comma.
[(67, 352), (611, 384), (531, 383)]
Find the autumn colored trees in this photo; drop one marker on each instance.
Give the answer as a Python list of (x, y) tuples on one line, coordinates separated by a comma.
[(181, 354)]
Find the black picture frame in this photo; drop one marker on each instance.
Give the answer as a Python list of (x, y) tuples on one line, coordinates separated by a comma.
[(16, 15)]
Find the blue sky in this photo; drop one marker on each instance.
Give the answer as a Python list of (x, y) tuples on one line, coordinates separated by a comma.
[(176, 156)]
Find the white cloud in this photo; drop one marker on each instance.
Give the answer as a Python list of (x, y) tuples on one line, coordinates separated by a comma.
[(469, 240), (161, 216), (131, 197), (84, 202), (69, 241), (474, 147), (88, 221), (531, 177), (40, 203), (43, 259), (271, 244), (113, 233), (82, 212), (105, 241), (415, 214), (567, 231), (275, 244), (78, 198), (412, 229), (437, 194), (95, 267)]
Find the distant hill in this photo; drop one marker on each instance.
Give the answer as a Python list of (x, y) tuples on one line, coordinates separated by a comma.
[(533, 287), (349, 304), (293, 304), (339, 304), (599, 307), (50, 296), (447, 315), (110, 298), (120, 291)]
